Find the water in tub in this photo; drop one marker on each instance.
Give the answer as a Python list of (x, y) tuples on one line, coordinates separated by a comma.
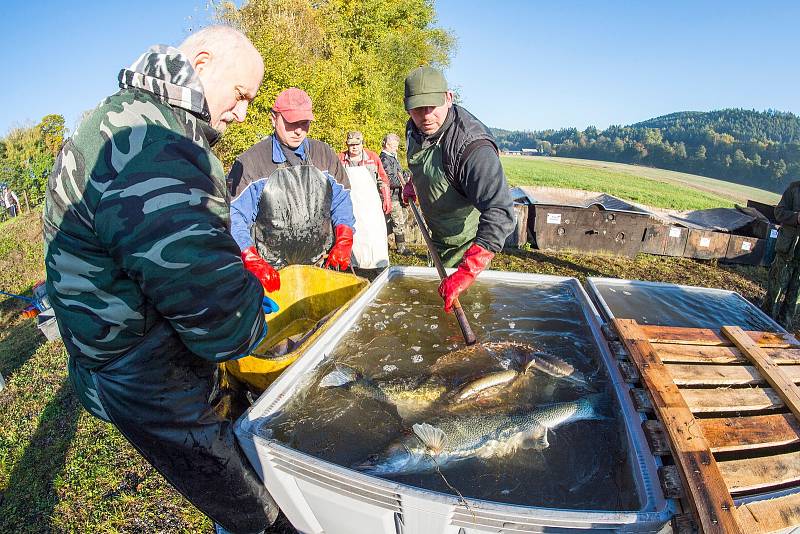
[(524, 417)]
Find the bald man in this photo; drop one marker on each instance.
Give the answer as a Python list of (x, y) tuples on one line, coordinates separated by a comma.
[(147, 285)]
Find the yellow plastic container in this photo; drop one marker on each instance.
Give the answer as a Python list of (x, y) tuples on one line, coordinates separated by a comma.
[(307, 295)]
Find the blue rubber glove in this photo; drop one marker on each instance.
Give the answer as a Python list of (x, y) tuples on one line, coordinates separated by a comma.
[(269, 305)]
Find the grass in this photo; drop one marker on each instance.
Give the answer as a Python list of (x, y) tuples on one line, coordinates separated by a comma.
[(61, 470), (655, 187)]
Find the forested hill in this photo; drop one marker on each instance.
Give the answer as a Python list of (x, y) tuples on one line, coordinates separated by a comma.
[(761, 149)]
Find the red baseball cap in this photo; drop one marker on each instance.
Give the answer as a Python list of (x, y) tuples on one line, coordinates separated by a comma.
[(294, 104)]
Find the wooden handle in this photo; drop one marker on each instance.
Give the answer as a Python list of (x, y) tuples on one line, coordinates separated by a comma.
[(466, 329), (463, 323)]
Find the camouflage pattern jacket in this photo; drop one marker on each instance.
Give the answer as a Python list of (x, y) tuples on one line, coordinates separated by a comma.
[(136, 229)]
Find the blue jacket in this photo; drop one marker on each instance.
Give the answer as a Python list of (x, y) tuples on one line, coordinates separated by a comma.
[(252, 169)]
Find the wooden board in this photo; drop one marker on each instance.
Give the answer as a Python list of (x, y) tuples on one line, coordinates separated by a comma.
[(707, 336), (701, 476), (725, 375), (673, 353), (705, 244), (769, 515), (745, 250), (588, 229), (761, 473), (723, 400), (746, 433), (664, 239), (782, 379)]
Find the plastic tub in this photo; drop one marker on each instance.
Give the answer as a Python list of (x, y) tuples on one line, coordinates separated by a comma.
[(308, 295), (318, 496)]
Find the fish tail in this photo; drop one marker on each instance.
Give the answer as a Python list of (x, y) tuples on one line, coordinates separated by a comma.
[(340, 376), (596, 406)]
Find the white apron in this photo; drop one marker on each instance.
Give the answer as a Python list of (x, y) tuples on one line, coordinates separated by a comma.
[(370, 244)]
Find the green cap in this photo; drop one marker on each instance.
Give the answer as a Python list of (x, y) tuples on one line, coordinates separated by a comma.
[(425, 86)]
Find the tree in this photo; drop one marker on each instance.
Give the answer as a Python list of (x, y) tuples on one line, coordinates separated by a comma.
[(700, 153), (28, 154), (350, 57)]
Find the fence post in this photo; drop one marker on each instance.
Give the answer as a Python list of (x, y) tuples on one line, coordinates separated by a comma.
[(27, 204)]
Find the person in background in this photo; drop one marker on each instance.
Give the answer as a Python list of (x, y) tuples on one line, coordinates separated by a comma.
[(457, 178), (9, 200), (148, 288), (397, 217), (291, 203), (783, 282), (357, 155)]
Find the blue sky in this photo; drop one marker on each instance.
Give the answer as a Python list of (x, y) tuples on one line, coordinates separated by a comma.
[(519, 65)]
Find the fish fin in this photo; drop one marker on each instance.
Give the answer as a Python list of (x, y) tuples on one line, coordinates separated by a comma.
[(536, 440), (601, 407), (432, 437), (340, 376)]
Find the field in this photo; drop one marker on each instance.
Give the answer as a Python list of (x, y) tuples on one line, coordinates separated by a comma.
[(655, 187), (61, 470)]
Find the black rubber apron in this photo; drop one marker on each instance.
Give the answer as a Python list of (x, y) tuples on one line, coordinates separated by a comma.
[(293, 223)]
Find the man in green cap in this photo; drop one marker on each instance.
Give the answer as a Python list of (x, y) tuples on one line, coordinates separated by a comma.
[(457, 178), (783, 286)]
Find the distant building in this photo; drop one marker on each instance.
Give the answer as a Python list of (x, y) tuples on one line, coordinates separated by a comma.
[(530, 151)]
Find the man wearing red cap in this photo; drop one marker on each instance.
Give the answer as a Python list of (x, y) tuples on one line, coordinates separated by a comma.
[(458, 180), (290, 196)]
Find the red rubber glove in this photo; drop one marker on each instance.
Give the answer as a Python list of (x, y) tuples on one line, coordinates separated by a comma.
[(387, 199), (409, 193), (265, 273), (339, 255), (476, 258)]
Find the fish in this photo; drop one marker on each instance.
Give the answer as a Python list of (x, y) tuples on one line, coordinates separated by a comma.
[(554, 366), (492, 382), (410, 396), (441, 442), (506, 355), (488, 356)]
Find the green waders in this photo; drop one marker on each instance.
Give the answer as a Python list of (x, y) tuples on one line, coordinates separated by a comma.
[(783, 284), (452, 219)]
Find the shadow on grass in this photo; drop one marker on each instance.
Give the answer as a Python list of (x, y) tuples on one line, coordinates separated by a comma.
[(29, 498), (560, 263), (20, 341)]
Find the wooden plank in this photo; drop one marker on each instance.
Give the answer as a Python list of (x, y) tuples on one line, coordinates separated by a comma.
[(707, 336), (684, 524), (673, 353), (671, 482), (726, 375), (641, 400), (629, 372), (761, 473), (781, 379), (702, 480), (770, 515), (745, 433), (724, 400), (656, 437)]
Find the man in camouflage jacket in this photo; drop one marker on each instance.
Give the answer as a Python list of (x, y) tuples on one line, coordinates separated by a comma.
[(147, 285), (783, 284)]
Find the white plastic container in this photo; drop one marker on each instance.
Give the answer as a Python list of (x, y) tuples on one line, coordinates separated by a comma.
[(46, 322), (321, 497)]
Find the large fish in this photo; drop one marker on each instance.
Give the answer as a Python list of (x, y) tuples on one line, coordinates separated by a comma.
[(444, 441), (410, 396), (497, 356), (555, 367)]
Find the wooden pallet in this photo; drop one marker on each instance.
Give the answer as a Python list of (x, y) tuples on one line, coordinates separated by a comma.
[(746, 438)]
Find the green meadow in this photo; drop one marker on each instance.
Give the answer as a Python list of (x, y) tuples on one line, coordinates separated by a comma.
[(644, 185)]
